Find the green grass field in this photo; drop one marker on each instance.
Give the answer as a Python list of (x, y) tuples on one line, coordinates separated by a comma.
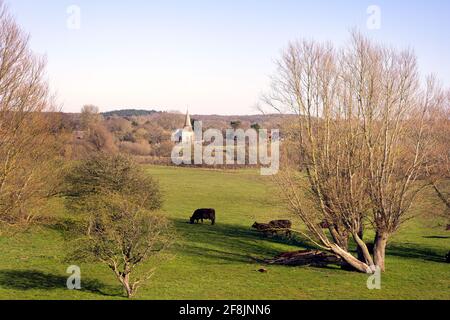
[(218, 262)]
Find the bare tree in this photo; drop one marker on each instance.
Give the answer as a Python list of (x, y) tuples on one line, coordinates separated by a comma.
[(100, 139), (28, 135), (361, 139), (97, 136), (90, 116), (438, 167)]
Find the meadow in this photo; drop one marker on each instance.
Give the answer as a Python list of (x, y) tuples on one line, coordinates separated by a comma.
[(221, 261)]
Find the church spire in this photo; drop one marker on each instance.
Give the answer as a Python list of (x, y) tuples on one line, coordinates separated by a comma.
[(187, 123)]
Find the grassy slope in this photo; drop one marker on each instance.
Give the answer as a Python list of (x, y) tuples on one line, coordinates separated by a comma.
[(216, 262)]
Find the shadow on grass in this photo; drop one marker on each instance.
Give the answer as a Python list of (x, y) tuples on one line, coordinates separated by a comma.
[(437, 237), (228, 243), (231, 243), (38, 280), (414, 251)]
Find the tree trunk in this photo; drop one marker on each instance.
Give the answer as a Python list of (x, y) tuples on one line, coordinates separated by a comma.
[(344, 242), (126, 285), (441, 195), (341, 238), (358, 248), (313, 258), (351, 260), (379, 249), (363, 250)]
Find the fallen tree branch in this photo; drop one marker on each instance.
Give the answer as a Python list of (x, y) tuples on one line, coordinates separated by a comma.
[(313, 258)]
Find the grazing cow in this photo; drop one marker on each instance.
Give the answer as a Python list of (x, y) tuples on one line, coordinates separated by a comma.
[(264, 228), (204, 214), (285, 225), (261, 226), (273, 227), (281, 224)]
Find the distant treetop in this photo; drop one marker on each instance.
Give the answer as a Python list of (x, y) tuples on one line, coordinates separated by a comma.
[(129, 113)]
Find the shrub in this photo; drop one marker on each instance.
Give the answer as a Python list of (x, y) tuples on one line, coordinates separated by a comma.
[(119, 200)]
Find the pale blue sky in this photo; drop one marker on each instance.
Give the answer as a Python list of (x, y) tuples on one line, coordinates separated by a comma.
[(213, 56)]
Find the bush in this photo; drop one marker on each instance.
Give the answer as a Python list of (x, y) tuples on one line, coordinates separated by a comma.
[(137, 149), (118, 200)]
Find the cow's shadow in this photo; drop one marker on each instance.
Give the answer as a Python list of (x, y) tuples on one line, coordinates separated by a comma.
[(230, 243)]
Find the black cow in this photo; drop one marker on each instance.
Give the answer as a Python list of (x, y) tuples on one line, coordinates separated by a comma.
[(281, 224), (204, 214), (261, 226)]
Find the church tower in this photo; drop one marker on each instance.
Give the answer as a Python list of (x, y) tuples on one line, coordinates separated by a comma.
[(187, 122), (185, 135)]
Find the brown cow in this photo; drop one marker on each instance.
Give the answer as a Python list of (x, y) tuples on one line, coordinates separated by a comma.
[(273, 227), (281, 224)]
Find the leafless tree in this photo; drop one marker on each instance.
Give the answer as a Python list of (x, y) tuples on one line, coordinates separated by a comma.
[(90, 115), (361, 133), (28, 135), (438, 167)]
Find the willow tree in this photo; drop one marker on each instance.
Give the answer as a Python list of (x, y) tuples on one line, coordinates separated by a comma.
[(361, 141), (28, 140), (438, 166)]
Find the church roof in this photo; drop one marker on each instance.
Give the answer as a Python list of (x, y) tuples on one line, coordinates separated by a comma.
[(187, 122)]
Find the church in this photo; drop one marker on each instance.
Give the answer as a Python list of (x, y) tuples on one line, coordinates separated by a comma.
[(185, 135)]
